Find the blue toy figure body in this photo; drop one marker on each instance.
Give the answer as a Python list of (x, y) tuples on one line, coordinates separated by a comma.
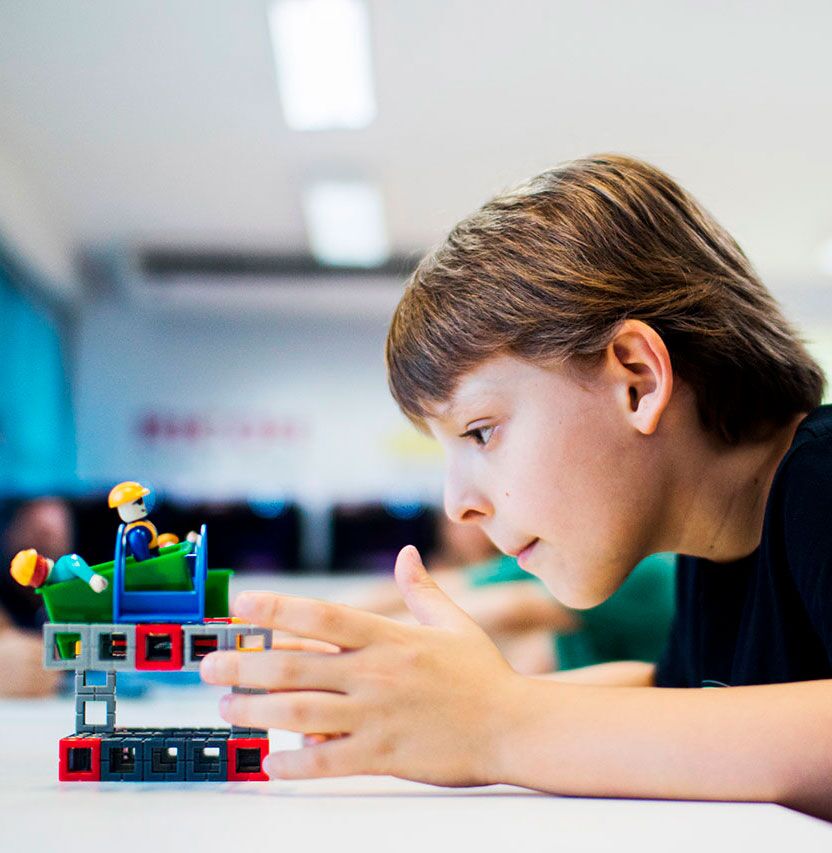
[(142, 539)]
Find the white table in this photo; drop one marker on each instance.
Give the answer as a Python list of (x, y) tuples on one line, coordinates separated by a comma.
[(39, 814)]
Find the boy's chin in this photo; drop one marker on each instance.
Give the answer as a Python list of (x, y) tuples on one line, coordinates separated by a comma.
[(578, 595)]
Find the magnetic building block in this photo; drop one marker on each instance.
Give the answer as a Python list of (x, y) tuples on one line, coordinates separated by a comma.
[(158, 646), (82, 712), (207, 757), (245, 759), (199, 640), (79, 759), (165, 757), (249, 638), (84, 686), (121, 758), (66, 645), (112, 647)]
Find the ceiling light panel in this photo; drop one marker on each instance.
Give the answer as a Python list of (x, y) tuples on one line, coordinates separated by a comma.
[(322, 56), (345, 223)]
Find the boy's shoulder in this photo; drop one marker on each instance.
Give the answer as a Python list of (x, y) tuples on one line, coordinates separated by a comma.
[(816, 425), (807, 467), (800, 512)]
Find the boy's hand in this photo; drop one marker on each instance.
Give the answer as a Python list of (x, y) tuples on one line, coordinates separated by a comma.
[(425, 702)]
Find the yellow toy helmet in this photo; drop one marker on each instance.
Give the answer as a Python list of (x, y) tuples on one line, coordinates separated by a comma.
[(126, 493), (28, 568)]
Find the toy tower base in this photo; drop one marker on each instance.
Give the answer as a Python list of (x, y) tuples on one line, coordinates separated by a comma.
[(101, 752), (162, 755)]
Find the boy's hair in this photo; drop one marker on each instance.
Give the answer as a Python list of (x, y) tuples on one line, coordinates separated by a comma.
[(547, 271)]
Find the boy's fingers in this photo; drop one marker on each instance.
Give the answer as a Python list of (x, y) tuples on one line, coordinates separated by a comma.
[(303, 711), (275, 670), (337, 757), (425, 600), (307, 617), (288, 642)]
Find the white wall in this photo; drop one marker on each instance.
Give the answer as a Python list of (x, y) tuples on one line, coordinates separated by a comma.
[(34, 232), (810, 307), (311, 391), (299, 361)]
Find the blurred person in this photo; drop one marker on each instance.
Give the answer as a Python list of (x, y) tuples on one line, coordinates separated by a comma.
[(44, 524), (536, 633), (519, 616), (458, 546)]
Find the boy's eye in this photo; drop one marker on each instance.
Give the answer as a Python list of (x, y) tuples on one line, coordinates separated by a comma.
[(480, 435)]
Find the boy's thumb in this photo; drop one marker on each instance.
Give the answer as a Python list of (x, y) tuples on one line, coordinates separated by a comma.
[(423, 597)]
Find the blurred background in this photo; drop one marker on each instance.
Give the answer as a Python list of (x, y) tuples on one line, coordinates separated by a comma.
[(208, 209)]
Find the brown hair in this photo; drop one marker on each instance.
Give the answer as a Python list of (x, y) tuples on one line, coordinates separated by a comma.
[(548, 270)]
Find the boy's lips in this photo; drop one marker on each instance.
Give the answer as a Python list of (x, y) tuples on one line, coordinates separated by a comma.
[(525, 551)]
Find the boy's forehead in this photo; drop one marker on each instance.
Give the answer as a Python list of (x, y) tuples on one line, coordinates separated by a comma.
[(489, 379)]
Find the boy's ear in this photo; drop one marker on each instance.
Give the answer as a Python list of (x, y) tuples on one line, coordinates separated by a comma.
[(640, 363)]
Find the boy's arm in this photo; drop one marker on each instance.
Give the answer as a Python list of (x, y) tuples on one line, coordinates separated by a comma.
[(621, 673), (436, 702), (766, 743)]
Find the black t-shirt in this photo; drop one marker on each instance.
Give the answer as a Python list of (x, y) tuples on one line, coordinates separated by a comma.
[(767, 618)]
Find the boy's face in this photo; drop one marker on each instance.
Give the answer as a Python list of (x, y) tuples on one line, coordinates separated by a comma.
[(553, 470)]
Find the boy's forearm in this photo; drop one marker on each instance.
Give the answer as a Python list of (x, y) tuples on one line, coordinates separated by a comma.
[(763, 743), (622, 673)]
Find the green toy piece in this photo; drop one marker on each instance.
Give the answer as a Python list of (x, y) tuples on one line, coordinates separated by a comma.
[(74, 601)]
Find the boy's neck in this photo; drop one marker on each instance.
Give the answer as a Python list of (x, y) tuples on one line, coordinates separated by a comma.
[(725, 492)]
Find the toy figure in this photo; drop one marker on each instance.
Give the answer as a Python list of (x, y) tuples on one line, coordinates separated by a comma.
[(143, 542), (29, 568)]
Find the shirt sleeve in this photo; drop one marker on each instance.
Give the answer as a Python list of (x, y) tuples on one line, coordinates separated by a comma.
[(808, 532)]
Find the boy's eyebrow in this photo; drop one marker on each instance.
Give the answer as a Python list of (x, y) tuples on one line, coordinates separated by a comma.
[(445, 411), (450, 410)]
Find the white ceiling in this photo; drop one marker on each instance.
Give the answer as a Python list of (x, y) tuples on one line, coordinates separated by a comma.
[(158, 122)]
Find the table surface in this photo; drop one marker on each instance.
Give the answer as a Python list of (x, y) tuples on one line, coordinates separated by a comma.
[(37, 813)]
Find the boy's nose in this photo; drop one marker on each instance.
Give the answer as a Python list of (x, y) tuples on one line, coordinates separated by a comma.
[(465, 504)]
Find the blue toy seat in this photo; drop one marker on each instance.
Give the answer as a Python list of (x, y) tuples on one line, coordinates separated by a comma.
[(164, 605)]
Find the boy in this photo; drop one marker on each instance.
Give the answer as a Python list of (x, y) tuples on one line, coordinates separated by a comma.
[(609, 379)]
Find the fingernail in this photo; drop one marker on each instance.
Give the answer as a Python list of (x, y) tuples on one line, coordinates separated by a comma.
[(270, 767)]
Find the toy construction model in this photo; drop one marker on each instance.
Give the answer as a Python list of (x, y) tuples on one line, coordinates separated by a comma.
[(161, 613)]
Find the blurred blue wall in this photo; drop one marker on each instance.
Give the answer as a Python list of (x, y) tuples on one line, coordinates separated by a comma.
[(37, 434)]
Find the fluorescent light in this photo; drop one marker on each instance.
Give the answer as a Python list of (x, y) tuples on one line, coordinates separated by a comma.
[(345, 223), (322, 54)]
